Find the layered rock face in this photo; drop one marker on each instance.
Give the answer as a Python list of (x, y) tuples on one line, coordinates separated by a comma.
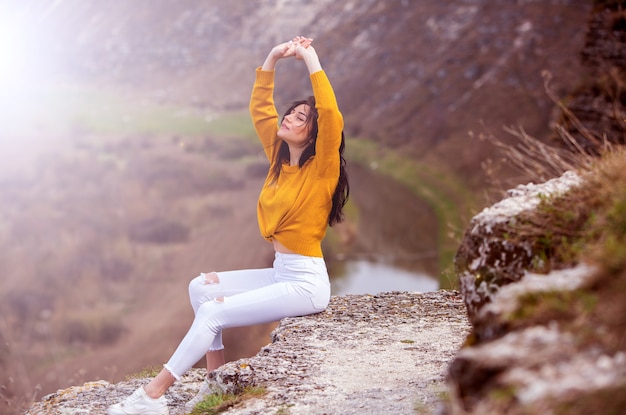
[(552, 342), (516, 362), (491, 255)]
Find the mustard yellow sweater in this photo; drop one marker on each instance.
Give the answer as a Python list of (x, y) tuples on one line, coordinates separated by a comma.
[(294, 210)]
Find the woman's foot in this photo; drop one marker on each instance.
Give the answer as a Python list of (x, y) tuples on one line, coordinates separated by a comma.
[(207, 388), (139, 403)]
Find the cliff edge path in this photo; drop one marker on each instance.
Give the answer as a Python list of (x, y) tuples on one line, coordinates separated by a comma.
[(366, 354)]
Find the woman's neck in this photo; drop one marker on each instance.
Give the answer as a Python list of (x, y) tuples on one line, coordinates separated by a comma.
[(294, 155)]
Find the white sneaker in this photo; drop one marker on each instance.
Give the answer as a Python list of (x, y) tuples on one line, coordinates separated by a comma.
[(139, 403), (206, 389)]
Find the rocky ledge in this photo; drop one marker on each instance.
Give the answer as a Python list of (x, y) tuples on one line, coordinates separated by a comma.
[(366, 354), (538, 343), (542, 342)]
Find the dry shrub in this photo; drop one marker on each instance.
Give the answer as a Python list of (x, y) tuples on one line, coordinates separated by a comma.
[(172, 176), (89, 328), (606, 248), (606, 182), (236, 148), (540, 161), (586, 224), (159, 231), (257, 170), (566, 227)]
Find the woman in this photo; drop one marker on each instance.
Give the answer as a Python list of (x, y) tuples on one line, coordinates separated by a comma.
[(304, 192)]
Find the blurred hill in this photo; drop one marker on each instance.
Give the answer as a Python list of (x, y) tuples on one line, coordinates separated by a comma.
[(413, 75), (99, 240)]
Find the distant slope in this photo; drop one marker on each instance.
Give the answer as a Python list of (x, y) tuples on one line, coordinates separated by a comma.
[(415, 75)]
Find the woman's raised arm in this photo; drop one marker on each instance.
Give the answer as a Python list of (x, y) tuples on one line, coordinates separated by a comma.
[(307, 53), (284, 50)]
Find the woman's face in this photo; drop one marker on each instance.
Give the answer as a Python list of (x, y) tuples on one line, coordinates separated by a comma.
[(295, 128)]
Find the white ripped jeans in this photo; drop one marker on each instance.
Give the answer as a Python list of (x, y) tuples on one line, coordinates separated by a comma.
[(297, 285)]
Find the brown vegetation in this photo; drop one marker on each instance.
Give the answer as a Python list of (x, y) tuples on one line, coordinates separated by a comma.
[(86, 228)]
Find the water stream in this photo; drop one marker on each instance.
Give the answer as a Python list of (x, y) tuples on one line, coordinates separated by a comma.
[(367, 277), (394, 241)]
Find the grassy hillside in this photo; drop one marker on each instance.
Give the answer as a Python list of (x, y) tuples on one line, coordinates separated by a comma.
[(413, 76), (117, 206)]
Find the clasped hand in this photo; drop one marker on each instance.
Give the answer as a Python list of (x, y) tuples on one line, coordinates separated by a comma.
[(299, 46)]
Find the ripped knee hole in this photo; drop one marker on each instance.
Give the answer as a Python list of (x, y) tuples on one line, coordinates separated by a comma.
[(211, 278)]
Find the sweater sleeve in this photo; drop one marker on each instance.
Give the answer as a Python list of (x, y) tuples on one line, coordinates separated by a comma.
[(330, 125), (263, 111)]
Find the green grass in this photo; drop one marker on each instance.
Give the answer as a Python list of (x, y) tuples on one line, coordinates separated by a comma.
[(586, 224), (64, 109), (217, 403), (148, 372), (553, 306)]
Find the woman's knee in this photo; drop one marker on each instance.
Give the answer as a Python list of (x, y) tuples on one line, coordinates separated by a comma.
[(209, 315), (199, 290), (194, 291)]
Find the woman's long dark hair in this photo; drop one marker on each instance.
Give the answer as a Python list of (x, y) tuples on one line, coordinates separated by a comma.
[(342, 191)]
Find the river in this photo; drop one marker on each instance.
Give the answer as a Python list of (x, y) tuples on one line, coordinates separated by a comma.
[(394, 242)]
